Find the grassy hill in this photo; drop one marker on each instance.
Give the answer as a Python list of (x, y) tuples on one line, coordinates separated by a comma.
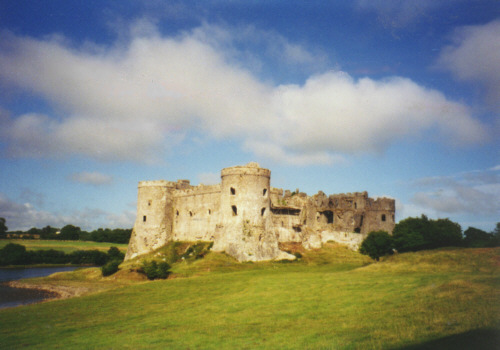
[(332, 298)]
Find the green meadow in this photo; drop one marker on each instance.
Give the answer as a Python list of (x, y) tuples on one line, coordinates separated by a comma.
[(65, 246), (331, 298)]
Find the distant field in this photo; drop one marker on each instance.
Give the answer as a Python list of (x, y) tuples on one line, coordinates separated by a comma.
[(331, 299), (65, 246)]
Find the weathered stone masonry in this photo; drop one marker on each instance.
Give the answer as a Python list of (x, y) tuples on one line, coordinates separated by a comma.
[(247, 218)]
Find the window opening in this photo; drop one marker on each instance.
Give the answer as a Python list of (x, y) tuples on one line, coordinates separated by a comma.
[(233, 191), (209, 212), (190, 213), (262, 211), (383, 217), (144, 218), (355, 205), (177, 213), (264, 191), (149, 202), (325, 217), (235, 210)]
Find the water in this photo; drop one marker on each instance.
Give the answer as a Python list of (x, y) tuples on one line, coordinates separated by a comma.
[(19, 296)]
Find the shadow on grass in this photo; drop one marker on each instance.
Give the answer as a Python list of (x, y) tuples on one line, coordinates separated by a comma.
[(478, 339)]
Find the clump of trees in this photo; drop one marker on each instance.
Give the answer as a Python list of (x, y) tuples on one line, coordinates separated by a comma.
[(414, 234), (71, 233), (16, 254)]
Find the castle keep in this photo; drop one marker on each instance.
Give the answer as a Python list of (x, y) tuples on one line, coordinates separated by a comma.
[(248, 219)]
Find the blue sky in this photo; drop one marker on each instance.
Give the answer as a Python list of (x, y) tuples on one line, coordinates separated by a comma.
[(398, 98)]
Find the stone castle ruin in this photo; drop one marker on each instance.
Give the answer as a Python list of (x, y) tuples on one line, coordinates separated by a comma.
[(248, 219)]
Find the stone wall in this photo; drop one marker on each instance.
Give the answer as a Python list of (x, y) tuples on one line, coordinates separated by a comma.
[(247, 218)]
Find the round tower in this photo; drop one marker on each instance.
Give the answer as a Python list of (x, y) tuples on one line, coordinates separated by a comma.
[(245, 227), (245, 195), (153, 224)]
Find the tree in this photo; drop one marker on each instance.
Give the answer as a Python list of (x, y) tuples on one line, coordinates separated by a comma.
[(414, 234), (3, 228), (70, 233), (445, 233), (377, 244), (13, 254), (477, 238), (408, 234)]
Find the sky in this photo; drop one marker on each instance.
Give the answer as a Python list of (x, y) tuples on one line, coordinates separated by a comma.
[(397, 98)]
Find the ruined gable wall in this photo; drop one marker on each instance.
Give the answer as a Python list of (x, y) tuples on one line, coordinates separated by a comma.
[(196, 212)]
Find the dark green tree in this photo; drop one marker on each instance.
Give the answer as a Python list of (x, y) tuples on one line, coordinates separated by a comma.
[(13, 254), (70, 233), (444, 233), (377, 244), (414, 234), (115, 254), (3, 228), (477, 238)]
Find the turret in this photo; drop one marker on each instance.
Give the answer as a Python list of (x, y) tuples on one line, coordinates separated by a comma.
[(153, 224), (245, 195)]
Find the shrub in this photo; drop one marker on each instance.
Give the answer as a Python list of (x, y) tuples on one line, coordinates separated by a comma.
[(110, 267), (154, 270), (13, 254), (377, 244), (115, 254)]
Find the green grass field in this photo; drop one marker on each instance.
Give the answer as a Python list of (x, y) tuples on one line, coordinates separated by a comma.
[(331, 299), (65, 246)]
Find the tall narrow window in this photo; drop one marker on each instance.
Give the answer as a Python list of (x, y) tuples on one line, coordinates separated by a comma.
[(144, 218), (264, 191), (209, 212), (383, 217), (263, 211), (235, 210), (233, 191)]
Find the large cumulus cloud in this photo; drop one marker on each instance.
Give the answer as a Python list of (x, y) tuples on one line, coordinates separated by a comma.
[(137, 98)]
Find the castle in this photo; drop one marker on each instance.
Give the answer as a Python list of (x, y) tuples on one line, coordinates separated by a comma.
[(248, 219)]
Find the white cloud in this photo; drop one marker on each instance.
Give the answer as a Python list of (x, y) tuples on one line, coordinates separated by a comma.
[(474, 56), (23, 216), (137, 99), (475, 192), (92, 178)]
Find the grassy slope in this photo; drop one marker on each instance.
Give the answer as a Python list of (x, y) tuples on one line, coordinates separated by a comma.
[(65, 246), (322, 301)]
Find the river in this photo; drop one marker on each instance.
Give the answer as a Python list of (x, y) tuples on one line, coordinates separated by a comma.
[(20, 296)]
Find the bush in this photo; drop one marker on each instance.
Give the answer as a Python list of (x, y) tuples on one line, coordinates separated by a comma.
[(115, 254), (13, 254), (377, 244), (154, 270), (88, 257), (110, 267)]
